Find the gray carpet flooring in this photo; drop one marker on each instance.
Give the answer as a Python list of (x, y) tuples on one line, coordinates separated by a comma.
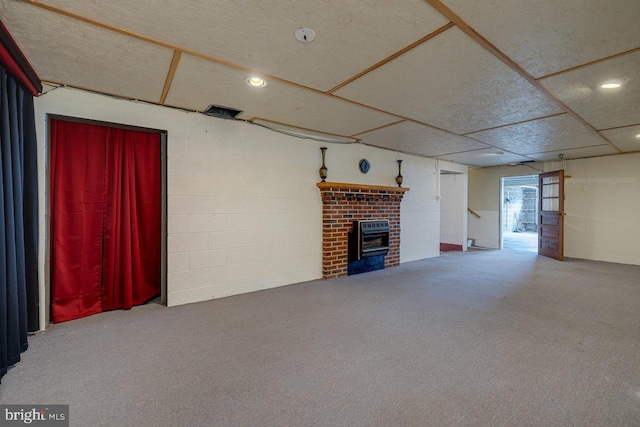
[(483, 338)]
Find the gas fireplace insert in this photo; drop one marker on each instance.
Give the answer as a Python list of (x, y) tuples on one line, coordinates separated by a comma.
[(372, 237)]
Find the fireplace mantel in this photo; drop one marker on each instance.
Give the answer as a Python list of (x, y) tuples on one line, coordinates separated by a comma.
[(346, 186), (344, 203)]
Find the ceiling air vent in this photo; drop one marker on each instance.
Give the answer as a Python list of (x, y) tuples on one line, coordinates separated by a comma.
[(221, 112)]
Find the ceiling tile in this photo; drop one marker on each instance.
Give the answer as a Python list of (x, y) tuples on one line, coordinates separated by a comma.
[(410, 137), (548, 134), (627, 139), (578, 153), (449, 81), (452, 83), (602, 108), (545, 37), (260, 34), (199, 83), (483, 158), (69, 51)]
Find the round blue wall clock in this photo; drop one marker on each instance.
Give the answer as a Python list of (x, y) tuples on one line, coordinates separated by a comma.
[(364, 166)]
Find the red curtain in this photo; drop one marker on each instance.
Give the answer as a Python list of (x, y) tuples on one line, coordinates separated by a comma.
[(105, 218)]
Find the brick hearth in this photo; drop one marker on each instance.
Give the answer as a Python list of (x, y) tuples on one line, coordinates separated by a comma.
[(344, 203)]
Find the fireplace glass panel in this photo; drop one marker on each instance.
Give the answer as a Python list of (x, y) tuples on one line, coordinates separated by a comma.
[(372, 243)]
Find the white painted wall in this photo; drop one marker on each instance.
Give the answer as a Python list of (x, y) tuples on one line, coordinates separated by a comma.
[(243, 208), (419, 211), (602, 206), (453, 209)]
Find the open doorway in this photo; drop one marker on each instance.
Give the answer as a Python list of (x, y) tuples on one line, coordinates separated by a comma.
[(519, 218)]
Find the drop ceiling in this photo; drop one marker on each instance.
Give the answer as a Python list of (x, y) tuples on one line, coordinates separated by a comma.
[(475, 82)]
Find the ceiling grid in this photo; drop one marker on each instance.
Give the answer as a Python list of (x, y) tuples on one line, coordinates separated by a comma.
[(468, 82)]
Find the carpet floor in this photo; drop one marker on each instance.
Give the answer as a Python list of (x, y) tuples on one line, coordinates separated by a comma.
[(482, 338)]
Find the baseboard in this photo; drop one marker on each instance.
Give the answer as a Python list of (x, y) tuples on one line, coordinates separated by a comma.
[(447, 247)]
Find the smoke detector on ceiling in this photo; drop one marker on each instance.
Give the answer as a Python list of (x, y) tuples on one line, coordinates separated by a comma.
[(221, 112), (305, 35)]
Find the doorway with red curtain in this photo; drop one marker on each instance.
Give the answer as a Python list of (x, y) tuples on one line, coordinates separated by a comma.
[(106, 216)]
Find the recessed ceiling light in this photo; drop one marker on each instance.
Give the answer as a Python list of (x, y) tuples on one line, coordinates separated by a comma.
[(256, 81), (638, 135), (613, 83)]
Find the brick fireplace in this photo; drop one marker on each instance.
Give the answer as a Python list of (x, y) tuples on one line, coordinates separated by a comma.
[(342, 204)]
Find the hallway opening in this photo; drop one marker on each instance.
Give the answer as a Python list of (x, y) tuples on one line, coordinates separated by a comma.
[(519, 216)]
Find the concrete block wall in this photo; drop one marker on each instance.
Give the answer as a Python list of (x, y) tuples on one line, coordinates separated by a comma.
[(420, 207), (602, 206), (244, 212)]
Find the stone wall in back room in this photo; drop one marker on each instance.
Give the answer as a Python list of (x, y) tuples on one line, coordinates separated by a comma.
[(244, 212)]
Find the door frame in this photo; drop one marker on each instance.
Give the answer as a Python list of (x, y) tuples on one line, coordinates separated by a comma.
[(501, 214), (45, 309)]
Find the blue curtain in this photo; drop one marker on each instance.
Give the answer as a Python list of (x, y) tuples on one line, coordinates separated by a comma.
[(18, 221)]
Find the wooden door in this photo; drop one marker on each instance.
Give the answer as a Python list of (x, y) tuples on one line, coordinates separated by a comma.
[(551, 214)]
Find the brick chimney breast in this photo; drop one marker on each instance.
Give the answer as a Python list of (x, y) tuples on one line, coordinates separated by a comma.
[(342, 204)]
